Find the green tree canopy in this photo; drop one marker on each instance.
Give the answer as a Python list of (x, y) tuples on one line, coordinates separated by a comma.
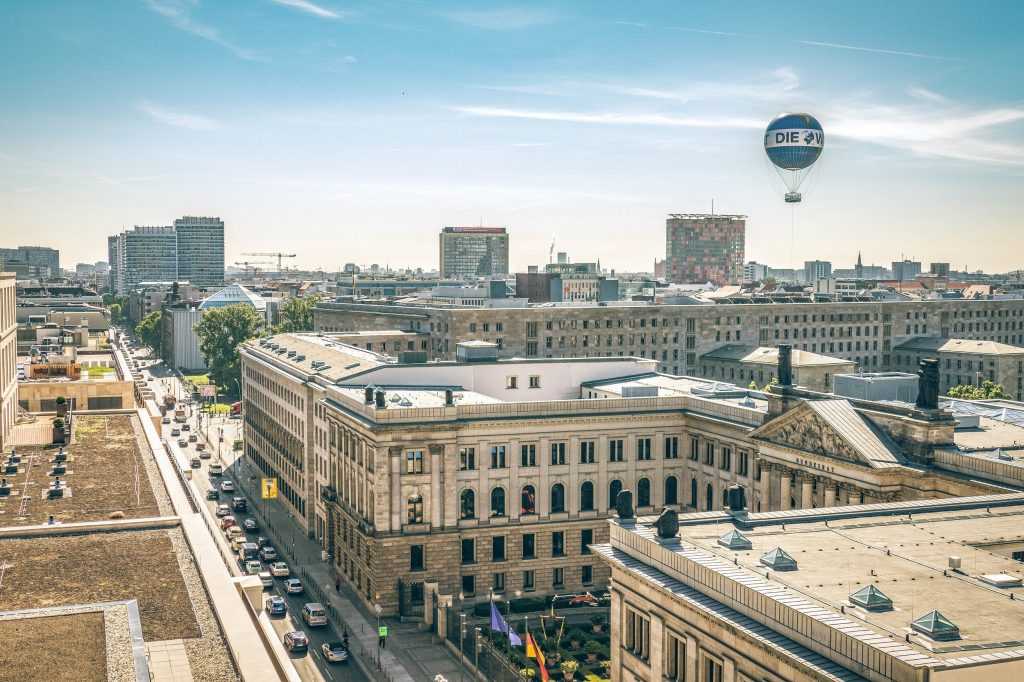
[(297, 315), (149, 330), (220, 331), (989, 390)]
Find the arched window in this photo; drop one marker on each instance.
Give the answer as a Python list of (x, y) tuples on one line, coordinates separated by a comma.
[(643, 493), (587, 496), (710, 498), (415, 508), (671, 490), (614, 488), (498, 502), (528, 500), (693, 493), (557, 498), (467, 504)]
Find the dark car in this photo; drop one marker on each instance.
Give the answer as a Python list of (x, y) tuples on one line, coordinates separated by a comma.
[(249, 526), (296, 642), (239, 504), (212, 494), (262, 541), (186, 427), (277, 606)]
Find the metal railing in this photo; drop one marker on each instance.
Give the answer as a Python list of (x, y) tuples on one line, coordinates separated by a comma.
[(478, 653)]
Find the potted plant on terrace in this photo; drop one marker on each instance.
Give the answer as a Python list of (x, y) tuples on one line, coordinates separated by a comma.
[(62, 405), (597, 623), (527, 673), (593, 649), (569, 668), (58, 430)]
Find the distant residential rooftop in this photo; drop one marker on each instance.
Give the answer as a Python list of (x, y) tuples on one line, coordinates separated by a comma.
[(769, 355), (944, 345)]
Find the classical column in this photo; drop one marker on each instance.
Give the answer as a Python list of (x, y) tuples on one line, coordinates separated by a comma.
[(784, 492), (806, 492), (830, 495), (616, 621), (765, 496), (657, 645), (691, 657)]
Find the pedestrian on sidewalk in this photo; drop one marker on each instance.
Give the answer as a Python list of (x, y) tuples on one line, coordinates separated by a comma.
[(337, 585)]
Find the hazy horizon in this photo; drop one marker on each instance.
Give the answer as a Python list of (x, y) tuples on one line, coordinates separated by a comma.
[(353, 131)]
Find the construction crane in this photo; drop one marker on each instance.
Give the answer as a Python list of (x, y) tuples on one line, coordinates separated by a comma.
[(276, 254), (248, 265)]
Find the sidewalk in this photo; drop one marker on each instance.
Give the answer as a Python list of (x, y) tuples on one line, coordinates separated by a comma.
[(411, 654)]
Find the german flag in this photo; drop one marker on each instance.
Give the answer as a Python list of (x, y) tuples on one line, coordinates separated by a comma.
[(533, 651)]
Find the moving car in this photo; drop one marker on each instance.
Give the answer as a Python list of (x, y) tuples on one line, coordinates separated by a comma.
[(175, 432), (215, 469), (277, 606), (192, 438), (200, 446), (253, 567), (223, 510), (293, 586), (227, 487), (268, 553), (296, 642), (248, 551), (196, 463), (165, 420), (239, 504), (334, 652), (279, 569), (266, 579), (249, 526), (314, 615), (186, 427), (182, 443), (203, 454)]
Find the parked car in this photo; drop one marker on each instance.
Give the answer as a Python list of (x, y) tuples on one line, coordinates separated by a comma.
[(213, 494), (279, 569), (262, 541), (266, 579), (215, 469), (227, 487), (186, 427), (165, 420), (203, 454), (253, 567), (223, 510), (314, 614), (239, 504), (293, 586), (200, 446), (175, 432), (248, 551), (334, 652), (249, 526), (192, 438), (268, 553), (182, 443), (226, 521), (277, 606), (196, 463), (296, 642)]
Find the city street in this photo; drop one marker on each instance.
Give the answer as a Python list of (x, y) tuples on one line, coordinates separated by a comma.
[(221, 431)]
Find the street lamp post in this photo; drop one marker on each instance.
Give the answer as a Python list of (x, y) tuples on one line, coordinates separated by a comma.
[(476, 650), (462, 634)]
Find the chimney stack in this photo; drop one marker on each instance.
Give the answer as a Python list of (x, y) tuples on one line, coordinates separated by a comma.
[(449, 397), (369, 395), (379, 399)]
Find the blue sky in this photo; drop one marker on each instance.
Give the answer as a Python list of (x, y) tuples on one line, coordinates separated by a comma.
[(347, 131)]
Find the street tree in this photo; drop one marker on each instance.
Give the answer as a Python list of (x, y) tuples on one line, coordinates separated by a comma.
[(220, 331), (297, 315), (148, 330)]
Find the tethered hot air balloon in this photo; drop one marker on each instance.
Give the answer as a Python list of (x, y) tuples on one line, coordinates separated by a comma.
[(793, 143)]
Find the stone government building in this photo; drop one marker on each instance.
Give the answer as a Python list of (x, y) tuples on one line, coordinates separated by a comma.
[(483, 474), (676, 336)]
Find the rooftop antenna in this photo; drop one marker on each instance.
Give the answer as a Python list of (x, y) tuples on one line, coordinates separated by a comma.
[(551, 250), (712, 206)]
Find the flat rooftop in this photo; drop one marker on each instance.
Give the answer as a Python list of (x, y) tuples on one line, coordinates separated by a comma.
[(903, 550), (107, 476), (667, 385), (82, 642)]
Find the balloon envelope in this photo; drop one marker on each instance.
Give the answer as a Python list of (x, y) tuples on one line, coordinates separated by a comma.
[(794, 141)]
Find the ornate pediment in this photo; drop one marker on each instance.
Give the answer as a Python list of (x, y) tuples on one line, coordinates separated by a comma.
[(810, 433)]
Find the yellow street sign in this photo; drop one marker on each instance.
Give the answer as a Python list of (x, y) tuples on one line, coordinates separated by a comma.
[(268, 488)]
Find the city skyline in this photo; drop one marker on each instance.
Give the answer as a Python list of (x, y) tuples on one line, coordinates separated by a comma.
[(306, 127)]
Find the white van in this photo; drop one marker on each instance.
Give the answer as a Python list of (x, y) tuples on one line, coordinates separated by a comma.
[(314, 614), (216, 470)]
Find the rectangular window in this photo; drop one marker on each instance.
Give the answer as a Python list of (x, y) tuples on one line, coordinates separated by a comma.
[(498, 582), (725, 460), (467, 459), (616, 450), (558, 543), (417, 560), (529, 580), (558, 577), (586, 538), (709, 454), (587, 450), (468, 551), (643, 449), (694, 449), (671, 447), (743, 464), (498, 457), (712, 670), (529, 546), (512, 382), (498, 548), (468, 585), (557, 454), (534, 381), (587, 574), (675, 659), (637, 637), (528, 455), (414, 462)]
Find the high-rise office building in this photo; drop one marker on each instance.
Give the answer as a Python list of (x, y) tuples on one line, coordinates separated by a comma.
[(816, 269), (471, 252), (905, 270), (33, 261), (200, 250), (701, 247), (754, 272), (8, 356)]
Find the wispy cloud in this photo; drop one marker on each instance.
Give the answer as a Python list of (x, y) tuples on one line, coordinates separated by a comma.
[(178, 119), (610, 117), (782, 84), (705, 31), (312, 8), (875, 50), (503, 19), (179, 14), (925, 94)]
